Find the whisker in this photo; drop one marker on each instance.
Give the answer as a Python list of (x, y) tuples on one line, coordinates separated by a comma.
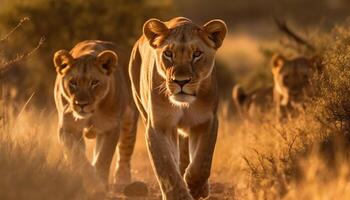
[(162, 88)]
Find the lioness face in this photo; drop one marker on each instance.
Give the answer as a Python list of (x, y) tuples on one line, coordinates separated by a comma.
[(184, 65), (185, 55), (292, 77), (85, 80)]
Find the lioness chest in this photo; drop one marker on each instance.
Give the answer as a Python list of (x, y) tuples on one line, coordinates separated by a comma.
[(102, 124), (98, 123), (181, 117)]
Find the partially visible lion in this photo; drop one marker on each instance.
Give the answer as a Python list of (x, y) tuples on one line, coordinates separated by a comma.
[(93, 97), (254, 105), (174, 84), (291, 79)]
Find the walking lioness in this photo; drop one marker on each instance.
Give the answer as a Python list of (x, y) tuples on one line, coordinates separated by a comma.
[(175, 89), (93, 96)]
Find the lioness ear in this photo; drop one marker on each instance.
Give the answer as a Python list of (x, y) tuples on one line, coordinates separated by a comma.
[(217, 30), (277, 60), (108, 61), (154, 29), (62, 59)]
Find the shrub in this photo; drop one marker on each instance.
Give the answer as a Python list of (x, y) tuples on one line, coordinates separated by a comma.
[(64, 23)]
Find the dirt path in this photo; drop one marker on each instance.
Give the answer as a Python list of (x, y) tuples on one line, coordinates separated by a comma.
[(142, 171), (219, 191)]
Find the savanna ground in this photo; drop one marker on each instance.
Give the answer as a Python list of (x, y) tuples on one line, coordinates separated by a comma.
[(305, 158)]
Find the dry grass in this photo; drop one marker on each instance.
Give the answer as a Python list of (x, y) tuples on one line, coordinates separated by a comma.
[(252, 161), (31, 161), (308, 156), (304, 158)]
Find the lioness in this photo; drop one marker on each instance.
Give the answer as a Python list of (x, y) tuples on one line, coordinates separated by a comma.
[(291, 85), (292, 81), (175, 89), (93, 96)]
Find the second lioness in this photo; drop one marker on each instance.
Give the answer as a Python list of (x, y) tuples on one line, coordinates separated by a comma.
[(93, 96), (175, 89)]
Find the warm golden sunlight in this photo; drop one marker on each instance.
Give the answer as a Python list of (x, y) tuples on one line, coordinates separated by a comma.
[(174, 100)]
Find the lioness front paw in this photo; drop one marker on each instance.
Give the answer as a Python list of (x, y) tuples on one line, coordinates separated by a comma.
[(197, 183), (122, 176), (181, 193), (199, 191), (184, 197)]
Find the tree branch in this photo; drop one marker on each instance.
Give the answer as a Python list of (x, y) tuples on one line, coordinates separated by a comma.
[(7, 65), (283, 27), (7, 36)]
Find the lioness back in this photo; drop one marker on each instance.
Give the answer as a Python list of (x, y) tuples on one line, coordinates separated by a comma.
[(253, 105)]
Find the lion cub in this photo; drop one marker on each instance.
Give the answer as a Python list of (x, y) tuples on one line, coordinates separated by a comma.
[(93, 96)]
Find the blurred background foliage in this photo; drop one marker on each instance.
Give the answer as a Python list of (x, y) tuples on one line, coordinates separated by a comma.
[(64, 23), (244, 57), (306, 12)]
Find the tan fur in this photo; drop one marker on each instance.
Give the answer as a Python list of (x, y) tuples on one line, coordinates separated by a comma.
[(168, 55), (93, 96), (292, 82), (253, 105)]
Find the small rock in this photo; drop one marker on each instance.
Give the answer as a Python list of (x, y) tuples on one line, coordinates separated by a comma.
[(136, 189)]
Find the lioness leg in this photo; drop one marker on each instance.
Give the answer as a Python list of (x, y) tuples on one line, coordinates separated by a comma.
[(74, 146), (163, 154), (184, 153), (103, 153), (202, 141), (125, 148)]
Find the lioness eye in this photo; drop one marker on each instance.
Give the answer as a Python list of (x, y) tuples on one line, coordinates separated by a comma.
[(168, 53), (196, 54), (64, 65), (94, 83), (73, 83)]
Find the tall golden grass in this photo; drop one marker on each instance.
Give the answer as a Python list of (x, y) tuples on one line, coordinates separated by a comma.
[(31, 160), (304, 158)]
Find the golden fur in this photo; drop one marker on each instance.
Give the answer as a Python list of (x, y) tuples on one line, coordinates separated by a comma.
[(93, 96), (175, 89)]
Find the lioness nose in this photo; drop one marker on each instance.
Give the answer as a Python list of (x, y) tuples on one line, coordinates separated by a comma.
[(182, 82), (81, 104)]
